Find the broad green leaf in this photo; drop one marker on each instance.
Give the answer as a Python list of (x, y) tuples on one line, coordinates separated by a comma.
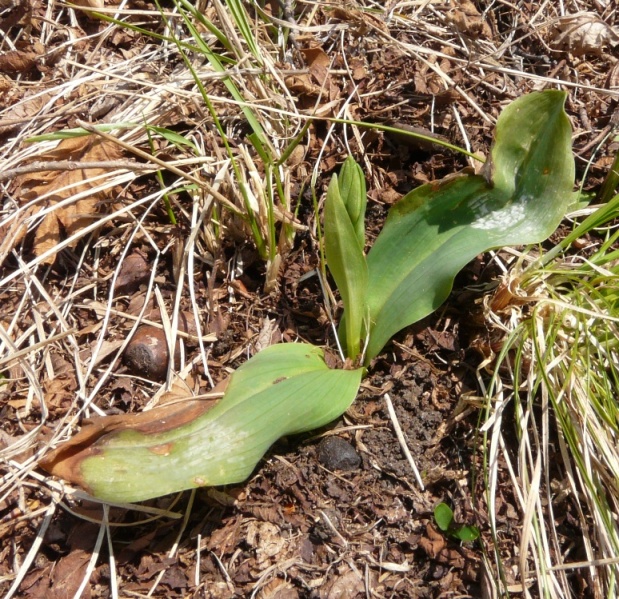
[(347, 264), (285, 389), (436, 229)]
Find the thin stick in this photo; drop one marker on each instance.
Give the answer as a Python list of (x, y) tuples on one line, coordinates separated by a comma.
[(196, 579), (34, 550), (335, 531), (400, 435), (224, 201), (18, 354), (72, 165)]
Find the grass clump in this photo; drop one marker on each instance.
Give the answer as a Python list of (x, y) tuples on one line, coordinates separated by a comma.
[(558, 374)]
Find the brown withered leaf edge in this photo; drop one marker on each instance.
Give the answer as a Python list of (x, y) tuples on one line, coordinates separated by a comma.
[(64, 461)]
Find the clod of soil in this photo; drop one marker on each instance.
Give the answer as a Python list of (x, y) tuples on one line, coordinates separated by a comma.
[(335, 453)]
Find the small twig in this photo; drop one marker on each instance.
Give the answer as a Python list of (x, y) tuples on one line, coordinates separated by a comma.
[(402, 440), (335, 531), (223, 200), (196, 577), (72, 165), (16, 355), (223, 569)]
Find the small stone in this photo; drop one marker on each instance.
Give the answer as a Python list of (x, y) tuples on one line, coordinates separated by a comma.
[(147, 353), (135, 271), (335, 453)]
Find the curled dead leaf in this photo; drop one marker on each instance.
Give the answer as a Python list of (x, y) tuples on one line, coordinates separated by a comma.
[(468, 20), (583, 33), (52, 188), (17, 61), (318, 63)]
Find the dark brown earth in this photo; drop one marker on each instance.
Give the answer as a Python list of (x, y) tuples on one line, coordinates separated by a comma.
[(309, 522)]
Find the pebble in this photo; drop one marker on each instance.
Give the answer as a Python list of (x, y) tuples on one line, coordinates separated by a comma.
[(147, 353), (335, 453)]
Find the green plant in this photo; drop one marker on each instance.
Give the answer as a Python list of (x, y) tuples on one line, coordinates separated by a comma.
[(444, 518), (285, 389), (432, 232), (428, 237), (344, 240)]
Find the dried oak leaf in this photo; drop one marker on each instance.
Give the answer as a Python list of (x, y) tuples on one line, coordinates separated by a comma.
[(584, 33), (18, 61), (48, 188)]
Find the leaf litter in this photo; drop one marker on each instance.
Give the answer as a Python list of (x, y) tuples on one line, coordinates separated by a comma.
[(294, 529)]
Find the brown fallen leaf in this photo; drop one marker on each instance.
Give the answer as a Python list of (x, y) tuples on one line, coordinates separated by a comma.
[(55, 186), (17, 61), (302, 85), (318, 63), (468, 20), (22, 110), (434, 542), (15, 12), (68, 574), (584, 33)]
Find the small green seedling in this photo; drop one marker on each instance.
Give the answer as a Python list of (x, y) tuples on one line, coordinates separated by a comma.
[(444, 517)]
